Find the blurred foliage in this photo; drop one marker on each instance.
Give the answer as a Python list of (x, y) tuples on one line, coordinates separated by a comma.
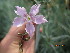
[(56, 31)]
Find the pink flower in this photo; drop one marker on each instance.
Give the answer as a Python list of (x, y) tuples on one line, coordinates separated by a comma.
[(29, 18)]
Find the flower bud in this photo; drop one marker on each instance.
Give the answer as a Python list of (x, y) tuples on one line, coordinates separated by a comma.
[(41, 29)]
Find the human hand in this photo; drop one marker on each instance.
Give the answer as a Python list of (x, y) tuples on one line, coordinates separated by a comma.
[(10, 44)]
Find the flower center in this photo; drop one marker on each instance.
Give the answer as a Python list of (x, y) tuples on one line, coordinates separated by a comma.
[(28, 17)]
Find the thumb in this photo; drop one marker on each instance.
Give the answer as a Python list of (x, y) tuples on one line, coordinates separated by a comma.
[(11, 40)]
